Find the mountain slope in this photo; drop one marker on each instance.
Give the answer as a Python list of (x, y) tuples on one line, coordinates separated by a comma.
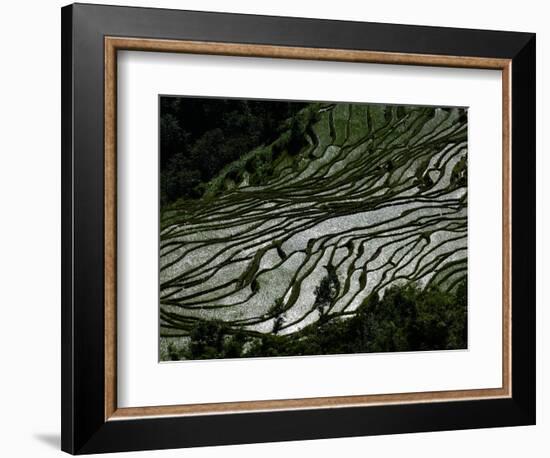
[(352, 198)]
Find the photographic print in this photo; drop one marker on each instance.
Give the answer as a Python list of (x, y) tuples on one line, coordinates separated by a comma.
[(292, 228)]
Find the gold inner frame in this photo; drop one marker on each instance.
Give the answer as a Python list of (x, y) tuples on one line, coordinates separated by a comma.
[(114, 44)]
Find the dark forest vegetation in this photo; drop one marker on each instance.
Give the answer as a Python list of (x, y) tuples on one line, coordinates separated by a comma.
[(199, 137)]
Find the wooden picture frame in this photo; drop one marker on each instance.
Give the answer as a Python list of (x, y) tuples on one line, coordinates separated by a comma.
[(91, 419)]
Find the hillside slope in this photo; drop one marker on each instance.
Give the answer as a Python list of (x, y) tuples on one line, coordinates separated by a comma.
[(351, 199)]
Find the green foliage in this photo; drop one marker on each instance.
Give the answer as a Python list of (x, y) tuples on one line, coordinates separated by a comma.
[(277, 308), (296, 139), (408, 318), (234, 345), (211, 339), (327, 292), (179, 178), (459, 175), (293, 139), (276, 311), (207, 339), (260, 168), (173, 354), (199, 137)]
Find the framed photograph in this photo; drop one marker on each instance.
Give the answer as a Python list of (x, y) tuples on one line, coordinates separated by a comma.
[(283, 228)]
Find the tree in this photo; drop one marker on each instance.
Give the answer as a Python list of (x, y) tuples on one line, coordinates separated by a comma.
[(327, 291), (206, 340), (276, 311)]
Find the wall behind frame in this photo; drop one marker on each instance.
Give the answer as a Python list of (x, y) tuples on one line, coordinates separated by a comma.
[(30, 229)]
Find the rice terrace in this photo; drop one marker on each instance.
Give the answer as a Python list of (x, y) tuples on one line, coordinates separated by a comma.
[(311, 228)]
